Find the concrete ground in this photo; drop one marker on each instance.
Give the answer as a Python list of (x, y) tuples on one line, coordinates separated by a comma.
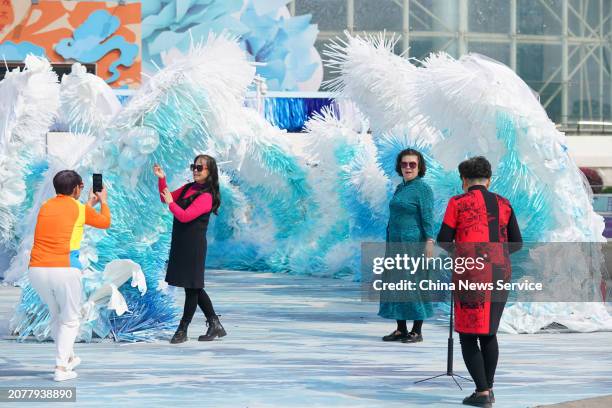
[(600, 402), (308, 342)]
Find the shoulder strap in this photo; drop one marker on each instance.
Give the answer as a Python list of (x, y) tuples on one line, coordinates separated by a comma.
[(192, 197), (196, 195), (186, 188)]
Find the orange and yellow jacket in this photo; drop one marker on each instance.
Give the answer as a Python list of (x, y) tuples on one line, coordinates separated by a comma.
[(59, 231)]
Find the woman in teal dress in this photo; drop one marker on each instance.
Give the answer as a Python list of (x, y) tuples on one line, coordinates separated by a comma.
[(410, 230)]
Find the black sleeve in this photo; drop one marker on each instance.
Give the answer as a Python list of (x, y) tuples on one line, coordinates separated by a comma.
[(514, 234), (445, 238), (446, 234)]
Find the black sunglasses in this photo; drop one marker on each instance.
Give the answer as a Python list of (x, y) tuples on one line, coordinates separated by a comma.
[(412, 165), (197, 167)]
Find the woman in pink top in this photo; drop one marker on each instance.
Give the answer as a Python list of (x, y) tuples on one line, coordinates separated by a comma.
[(191, 206)]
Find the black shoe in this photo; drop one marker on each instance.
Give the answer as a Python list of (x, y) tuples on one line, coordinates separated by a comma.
[(476, 400), (413, 338), (395, 336), (214, 330), (180, 336)]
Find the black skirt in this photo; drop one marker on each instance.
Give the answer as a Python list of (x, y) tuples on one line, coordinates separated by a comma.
[(188, 248)]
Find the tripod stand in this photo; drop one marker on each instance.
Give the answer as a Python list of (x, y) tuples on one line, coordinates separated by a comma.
[(449, 355)]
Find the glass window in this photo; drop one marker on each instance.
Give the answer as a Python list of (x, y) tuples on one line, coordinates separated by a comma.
[(489, 16), (399, 47), (330, 15), (378, 15), (587, 24), (497, 51), (434, 15), (584, 101), (539, 17), (539, 66), (422, 47), (434, 25), (607, 27)]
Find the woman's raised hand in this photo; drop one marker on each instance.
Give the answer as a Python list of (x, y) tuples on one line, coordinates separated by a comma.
[(157, 170), (167, 196)]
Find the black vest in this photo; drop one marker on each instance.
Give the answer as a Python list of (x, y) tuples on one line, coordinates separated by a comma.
[(188, 247)]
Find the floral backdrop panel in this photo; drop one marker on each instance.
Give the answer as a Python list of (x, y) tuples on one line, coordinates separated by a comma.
[(102, 33)]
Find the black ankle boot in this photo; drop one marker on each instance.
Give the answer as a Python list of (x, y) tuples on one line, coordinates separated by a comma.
[(214, 330), (180, 336)]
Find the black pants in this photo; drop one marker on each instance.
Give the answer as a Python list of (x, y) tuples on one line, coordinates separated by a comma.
[(193, 299), (416, 326), (480, 362)]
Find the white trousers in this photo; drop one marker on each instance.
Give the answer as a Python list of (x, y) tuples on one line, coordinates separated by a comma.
[(60, 289)]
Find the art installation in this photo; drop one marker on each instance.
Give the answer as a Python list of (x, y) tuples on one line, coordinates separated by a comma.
[(453, 109), (299, 206), (282, 44), (31, 101), (115, 36)]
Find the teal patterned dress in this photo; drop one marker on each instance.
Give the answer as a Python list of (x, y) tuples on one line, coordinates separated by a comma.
[(411, 224)]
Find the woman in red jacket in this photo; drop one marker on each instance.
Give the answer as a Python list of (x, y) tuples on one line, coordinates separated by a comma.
[(191, 206), (481, 224)]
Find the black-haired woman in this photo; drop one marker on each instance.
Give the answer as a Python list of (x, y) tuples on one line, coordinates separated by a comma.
[(410, 231), (472, 220), (191, 206)]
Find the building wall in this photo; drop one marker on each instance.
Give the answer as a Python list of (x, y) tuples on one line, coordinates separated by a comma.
[(559, 47)]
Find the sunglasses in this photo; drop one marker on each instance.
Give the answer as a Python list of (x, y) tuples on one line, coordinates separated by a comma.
[(197, 167), (412, 165)]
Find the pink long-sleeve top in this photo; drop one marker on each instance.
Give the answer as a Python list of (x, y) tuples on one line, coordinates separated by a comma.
[(201, 205)]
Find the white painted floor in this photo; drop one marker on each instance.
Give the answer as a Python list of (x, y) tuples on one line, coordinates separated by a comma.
[(306, 342)]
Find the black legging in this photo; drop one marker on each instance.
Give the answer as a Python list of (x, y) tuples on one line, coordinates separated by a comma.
[(481, 363), (193, 299), (416, 326)]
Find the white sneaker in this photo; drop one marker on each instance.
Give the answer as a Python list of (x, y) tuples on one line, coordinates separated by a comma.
[(61, 375), (73, 363)]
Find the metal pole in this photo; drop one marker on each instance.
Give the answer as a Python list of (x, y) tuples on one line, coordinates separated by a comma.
[(463, 27), (601, 67), (406, 27), (582, 70), (564, 64), (450, 352), (350, 15), (609, 73), (513, 46)]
